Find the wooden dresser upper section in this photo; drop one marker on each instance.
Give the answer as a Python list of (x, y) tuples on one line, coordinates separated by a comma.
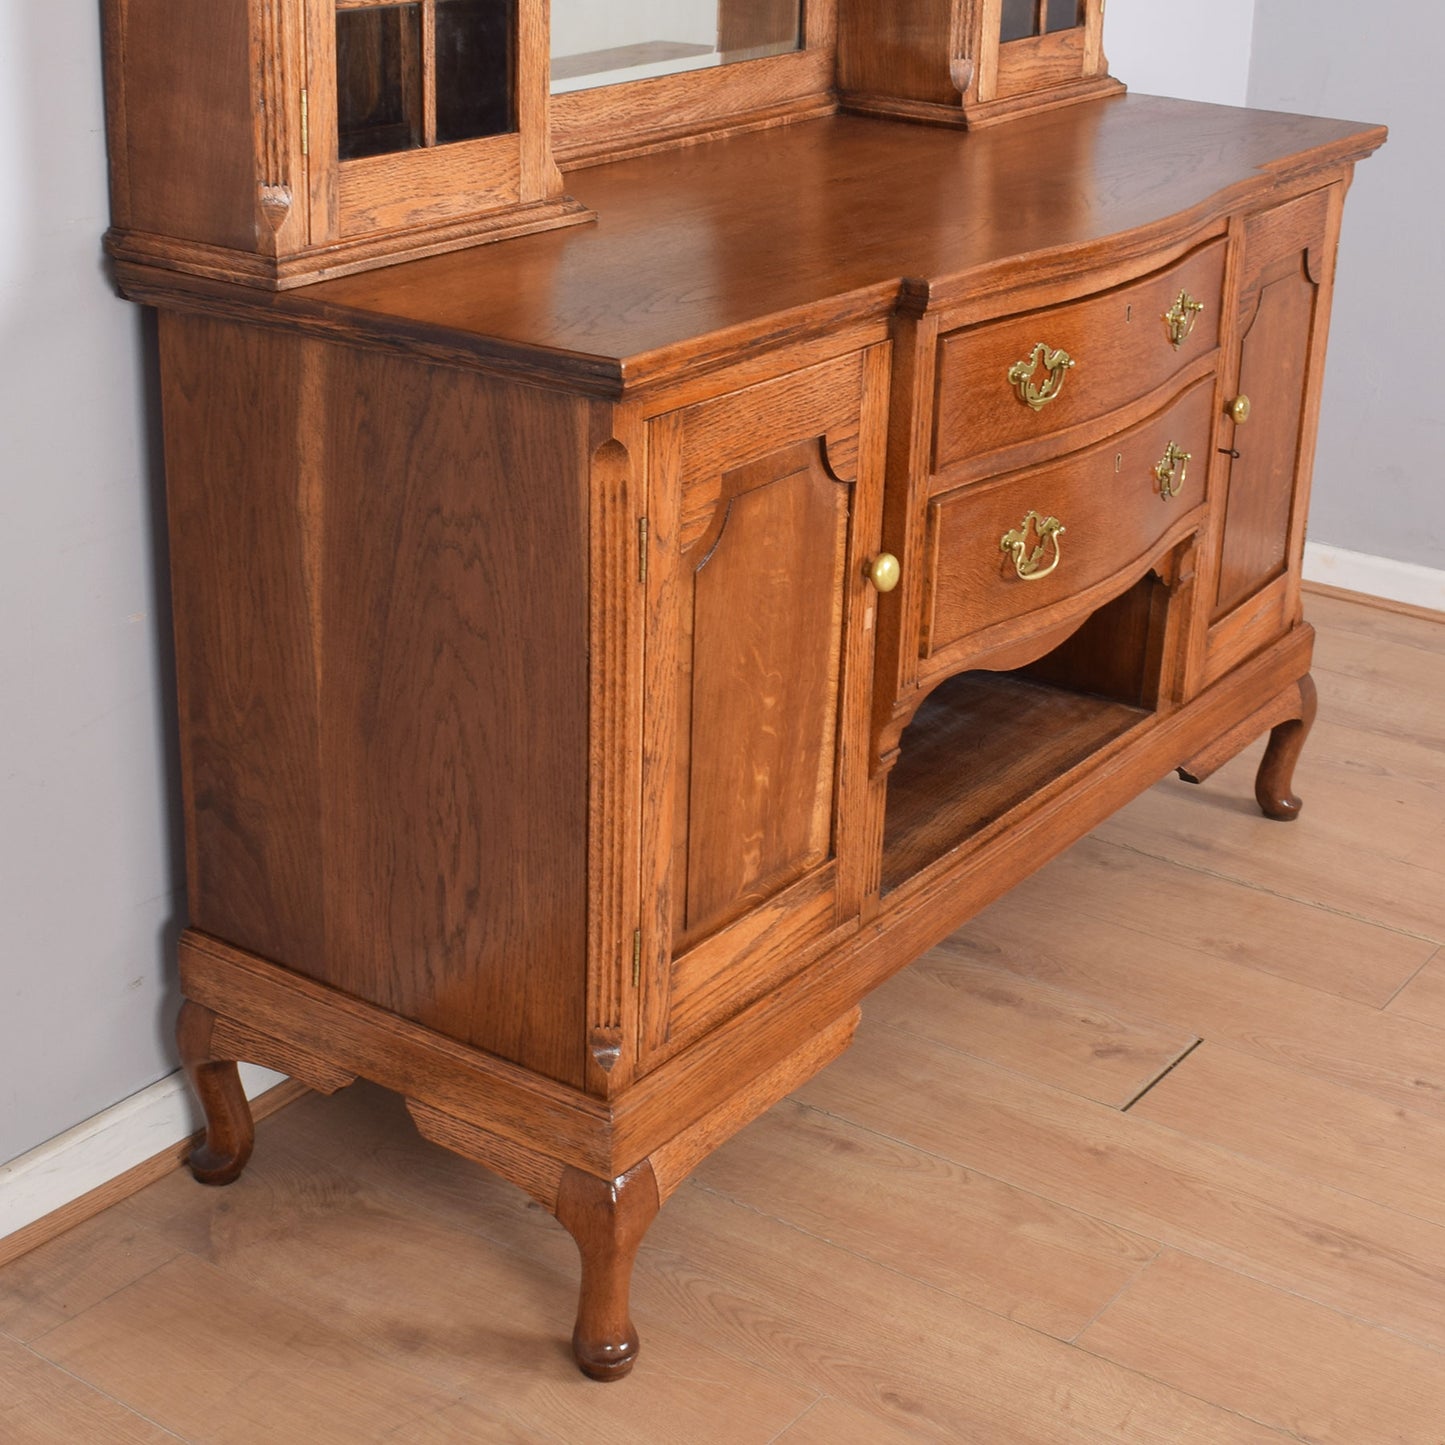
[(790, 233)]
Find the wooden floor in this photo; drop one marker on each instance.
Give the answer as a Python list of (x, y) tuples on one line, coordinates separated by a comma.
[(1152, 1151)]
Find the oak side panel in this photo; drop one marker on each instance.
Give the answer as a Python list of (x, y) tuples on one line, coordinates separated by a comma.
[(242, 568), (183, 161), (388, 757), (901, 49)]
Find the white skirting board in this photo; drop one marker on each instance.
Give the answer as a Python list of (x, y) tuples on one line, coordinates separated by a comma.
[(162, 1116), (63, 1169), (1383, 577)]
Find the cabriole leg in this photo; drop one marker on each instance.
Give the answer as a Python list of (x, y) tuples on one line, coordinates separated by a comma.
[(230, 1131), (607, 1219), (1275, 779)]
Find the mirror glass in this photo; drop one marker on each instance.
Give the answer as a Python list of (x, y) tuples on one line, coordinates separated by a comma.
[(1023, 19), (606, 44)]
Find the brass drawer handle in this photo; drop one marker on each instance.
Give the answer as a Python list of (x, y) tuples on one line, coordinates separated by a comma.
[(1180, 318), (1055, 361), (1029, 565), (1173, 471)]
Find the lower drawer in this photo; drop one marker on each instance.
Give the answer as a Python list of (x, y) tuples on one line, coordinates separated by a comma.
[(1001, 550)]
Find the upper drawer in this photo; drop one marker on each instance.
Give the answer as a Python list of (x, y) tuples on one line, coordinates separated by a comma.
[(1039, 540), (1026, 377)]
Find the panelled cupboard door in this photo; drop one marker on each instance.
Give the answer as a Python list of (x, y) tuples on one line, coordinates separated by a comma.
[(764, 515), (1284, 291)]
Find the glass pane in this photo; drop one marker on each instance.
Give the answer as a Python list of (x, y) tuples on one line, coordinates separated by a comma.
[(476, 68), (605, 44), (1020, 19), (378, 80), (1064, 14)]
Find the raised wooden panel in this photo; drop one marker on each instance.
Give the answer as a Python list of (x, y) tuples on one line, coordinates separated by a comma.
[(763, 505), (763, 673), (1274, 374)]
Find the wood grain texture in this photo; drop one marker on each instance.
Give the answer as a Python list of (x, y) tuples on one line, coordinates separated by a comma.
[(1257, 1218), (1104, 1054), (648, 298), (668, 110), (366, 787), (1013, 1253), (956, 1194), (41, 1404), (1118, 342), (1019, 735), (528, 725), (1323, 1377), (32, 1238), (227, 163), (1352, 1140), (182, 158), (887, 1345), (1224, 1001), (1263, 930), (1423, 997), (1111, 508)]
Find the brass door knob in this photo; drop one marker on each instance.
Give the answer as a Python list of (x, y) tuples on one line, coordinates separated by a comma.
[(885, 572), (1239, 409)]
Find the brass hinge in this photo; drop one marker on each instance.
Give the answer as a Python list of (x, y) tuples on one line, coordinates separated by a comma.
[(642, 549), (637, 958), (305, 123)]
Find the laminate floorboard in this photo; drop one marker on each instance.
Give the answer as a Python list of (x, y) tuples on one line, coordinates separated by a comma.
[(1423, 997), (1009, 1251), (1301, 1235), (1329, 1132), (1026, 1208), (1280, 1360), (1053, 1035), (41, 1404)]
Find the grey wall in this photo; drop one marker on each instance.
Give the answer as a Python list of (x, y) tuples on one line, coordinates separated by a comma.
[(1195, 50), (1382, 424), (87, 872), (1382, 432)]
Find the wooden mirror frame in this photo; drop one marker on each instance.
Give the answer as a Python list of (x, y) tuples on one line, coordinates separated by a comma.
[(636, 116)]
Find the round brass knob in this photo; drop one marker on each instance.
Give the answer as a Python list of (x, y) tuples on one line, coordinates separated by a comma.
[(885, 572), (1239, 409)]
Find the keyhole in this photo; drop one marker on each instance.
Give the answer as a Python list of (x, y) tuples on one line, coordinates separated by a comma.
[(1129, 313), (1118, 462)]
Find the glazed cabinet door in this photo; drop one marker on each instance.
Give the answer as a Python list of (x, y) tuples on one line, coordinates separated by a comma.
[(1272, 405), (764, 516)]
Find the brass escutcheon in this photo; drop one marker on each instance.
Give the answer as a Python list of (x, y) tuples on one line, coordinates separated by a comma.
[(1173, 471), (1055, 361), (1180, 318), (1029, 565)]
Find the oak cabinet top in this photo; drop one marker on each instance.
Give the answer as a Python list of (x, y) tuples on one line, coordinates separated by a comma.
[(791, 231)]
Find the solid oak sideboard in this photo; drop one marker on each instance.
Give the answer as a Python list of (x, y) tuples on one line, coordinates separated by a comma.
[(606, 655)]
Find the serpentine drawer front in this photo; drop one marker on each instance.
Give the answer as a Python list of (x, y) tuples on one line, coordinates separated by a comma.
[(1001, 549), (1011, 382)]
